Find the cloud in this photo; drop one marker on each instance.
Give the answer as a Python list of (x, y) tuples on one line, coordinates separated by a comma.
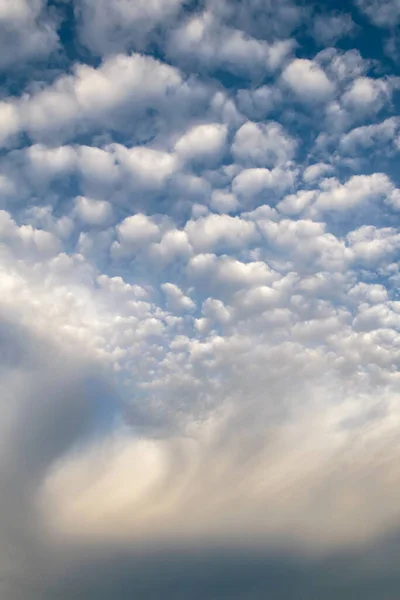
[(134, 232), (252, 183), (107, 28), (366, 94), (27, 32), (264, 145), (328, 29), (370, 245), (202, 143), (199, 316), (219, 230), (358, 189), (384, 14), (148, 167), (91, 96), (308, 81), (9, 121), (215, 506), (263, 18), (176, 299), (206, 41), (93, 212), (258, 103), (296, 203), (316, 171), (382, 135), (25, 239)]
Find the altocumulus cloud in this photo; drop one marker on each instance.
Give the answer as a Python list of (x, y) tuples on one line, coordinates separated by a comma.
[(199, 308)]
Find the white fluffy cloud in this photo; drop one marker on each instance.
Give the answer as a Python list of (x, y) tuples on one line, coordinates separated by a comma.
[(315, 172), (263, 145), (176, 299), (9, 121), (308, 81), (382, 136), (358, 189), (85, 99), (203, 39), (149, 167), (93, 212), (219, 230), (202, 142), (261, 183), (366, 94), (135, 232)]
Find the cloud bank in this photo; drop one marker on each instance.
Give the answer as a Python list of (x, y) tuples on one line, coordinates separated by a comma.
[(199, 308)]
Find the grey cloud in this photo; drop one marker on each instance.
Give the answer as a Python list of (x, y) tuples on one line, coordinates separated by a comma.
[(227, 574), (27, 31), (107, 28), (382, 14), (49, 402), (328, 29)]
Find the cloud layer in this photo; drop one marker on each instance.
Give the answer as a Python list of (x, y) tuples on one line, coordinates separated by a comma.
[(199, 310)]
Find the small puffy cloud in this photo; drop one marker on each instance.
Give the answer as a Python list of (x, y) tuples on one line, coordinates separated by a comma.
[(108, 27), (328, 29), (383, 13), (304, 240), (358, 189), (93, 212), (45, 163), (174, 245), (308, 81), (296, 203), (9, 121), (314, 172), (149, 168), (203, 39), (254, 183), (215, 311), (366, 94), (97, 165), (382, 136), (263, 145), (370, 245), (134, 234), (371, 293), (220, 231), (222, 276), (224, 201), (258, 103), (202, 143), (27, 31), (26, 241), (121, 79), (176, 299), (343, 66)]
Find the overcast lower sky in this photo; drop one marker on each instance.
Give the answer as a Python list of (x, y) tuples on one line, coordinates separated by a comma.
[(199, 299)]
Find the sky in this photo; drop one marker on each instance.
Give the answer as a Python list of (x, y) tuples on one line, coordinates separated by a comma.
[(199, 305)]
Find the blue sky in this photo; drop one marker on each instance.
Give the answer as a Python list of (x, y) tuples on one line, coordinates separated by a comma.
[(199, 308)]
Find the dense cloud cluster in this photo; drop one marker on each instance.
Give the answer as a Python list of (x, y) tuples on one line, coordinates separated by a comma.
[(199, 306)]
